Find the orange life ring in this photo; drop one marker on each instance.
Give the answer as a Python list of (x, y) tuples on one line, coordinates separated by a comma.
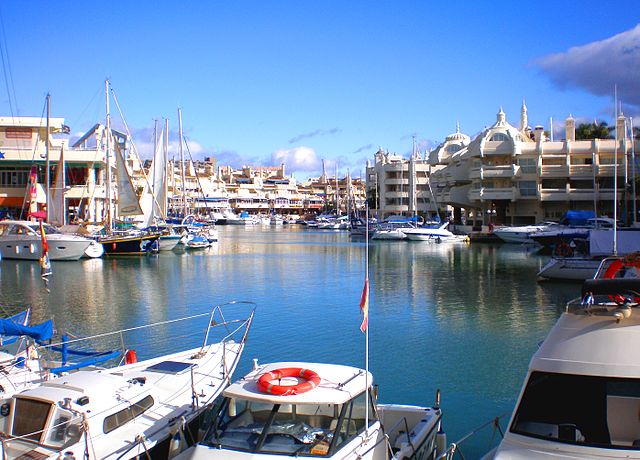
[(632, 260), (130, 357), (311, 380), (563, 249)]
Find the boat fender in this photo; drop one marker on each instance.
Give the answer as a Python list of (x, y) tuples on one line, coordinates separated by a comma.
[(130, 357), (310, 381), (441, 441), (178, 441)]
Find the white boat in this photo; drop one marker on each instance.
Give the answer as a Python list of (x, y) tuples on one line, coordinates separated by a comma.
[(570, 268), (521, 234), (296, 409), (581, 395), (127, 411), (21, 239), (434, 234), (197, 242)]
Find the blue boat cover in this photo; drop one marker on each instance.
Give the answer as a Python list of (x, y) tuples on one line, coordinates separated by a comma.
[(576, 218), (43, 331)]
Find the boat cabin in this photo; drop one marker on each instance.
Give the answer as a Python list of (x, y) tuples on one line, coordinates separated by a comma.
[(582, 392), (317, 422), (51, 416)]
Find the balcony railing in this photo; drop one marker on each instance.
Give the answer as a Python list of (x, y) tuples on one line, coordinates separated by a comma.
[(581, 170), (554, 171), (508, 193)]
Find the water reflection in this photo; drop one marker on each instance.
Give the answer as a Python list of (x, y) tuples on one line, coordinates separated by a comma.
[(464, 319)]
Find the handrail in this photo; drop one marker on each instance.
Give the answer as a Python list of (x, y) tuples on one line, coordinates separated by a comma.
[(454, 447)]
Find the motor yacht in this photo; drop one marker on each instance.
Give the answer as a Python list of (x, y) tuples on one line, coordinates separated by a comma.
[(581, 396), (21, 239), (298, 409)]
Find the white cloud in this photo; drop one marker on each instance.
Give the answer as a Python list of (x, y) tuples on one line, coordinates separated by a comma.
[(298, 159), (598, 66)]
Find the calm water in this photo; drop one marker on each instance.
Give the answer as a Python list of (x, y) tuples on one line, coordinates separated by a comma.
[(464, 319)]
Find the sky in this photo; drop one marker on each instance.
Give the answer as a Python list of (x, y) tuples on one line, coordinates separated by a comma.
[(298, 82)]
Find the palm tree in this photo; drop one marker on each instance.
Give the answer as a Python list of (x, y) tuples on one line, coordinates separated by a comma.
[(595, 130)]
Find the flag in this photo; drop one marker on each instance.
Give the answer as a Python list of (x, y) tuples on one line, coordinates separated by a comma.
[(45, 264), (33, 189), (364, 305)]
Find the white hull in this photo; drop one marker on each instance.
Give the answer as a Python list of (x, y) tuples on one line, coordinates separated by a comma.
[(168, 242), (518, 235), (389, 235), (570, 269), (28, 247)]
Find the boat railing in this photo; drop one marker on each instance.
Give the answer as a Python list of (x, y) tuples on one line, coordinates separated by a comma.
[(454, 450), (235, 330)]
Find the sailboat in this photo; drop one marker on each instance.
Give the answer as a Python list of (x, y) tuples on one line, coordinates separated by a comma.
[(121, 242)]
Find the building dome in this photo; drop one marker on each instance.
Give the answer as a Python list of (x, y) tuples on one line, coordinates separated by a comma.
[(457, 136)]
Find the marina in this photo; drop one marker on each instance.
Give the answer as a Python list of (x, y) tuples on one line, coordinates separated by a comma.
[(461, 318)]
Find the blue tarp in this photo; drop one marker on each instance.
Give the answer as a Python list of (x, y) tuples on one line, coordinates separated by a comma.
[(43, 331), (576, 218)]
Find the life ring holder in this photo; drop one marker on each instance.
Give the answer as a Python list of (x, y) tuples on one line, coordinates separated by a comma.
[(563, 249), (310, 381)]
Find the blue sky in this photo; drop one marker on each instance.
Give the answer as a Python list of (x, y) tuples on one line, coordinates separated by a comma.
[(297, 82)]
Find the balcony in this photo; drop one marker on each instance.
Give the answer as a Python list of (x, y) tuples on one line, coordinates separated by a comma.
[(607, 170), (581, 170), (397, 181), (548, 171), (506, 171), (508, 193), (498, 148), (576, 194), (554, 194), (399, 195)]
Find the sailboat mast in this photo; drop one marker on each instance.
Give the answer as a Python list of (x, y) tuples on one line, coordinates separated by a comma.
[(107, 159), (165, 160), (633, 172), (184, 188), (615, 177), (46, 174)]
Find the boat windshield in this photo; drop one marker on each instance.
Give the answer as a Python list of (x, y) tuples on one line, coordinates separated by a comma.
[(286, 429), (48, 229), (579, 409)]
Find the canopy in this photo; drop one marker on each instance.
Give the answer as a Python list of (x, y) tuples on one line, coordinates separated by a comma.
[(43, 331)]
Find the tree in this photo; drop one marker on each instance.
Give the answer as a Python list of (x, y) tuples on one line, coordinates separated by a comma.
[(595, 130)]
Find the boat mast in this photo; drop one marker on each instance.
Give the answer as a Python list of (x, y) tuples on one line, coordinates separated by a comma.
[(633, 173), (165, 159), (107, 160), (184, 188), (615, 176), (46, 174)]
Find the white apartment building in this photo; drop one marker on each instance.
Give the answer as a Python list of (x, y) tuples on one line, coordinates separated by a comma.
[(513, 176)]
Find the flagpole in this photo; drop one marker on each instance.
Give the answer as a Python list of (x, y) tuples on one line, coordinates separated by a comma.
[(366, 335)]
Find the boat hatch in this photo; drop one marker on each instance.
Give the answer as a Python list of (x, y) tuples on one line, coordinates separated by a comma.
[(171, 367), (45, 423)]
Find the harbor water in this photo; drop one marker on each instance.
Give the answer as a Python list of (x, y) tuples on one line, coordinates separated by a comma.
[(461, 318)]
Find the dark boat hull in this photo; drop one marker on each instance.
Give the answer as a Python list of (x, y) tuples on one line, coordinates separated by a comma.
[(129, 245)]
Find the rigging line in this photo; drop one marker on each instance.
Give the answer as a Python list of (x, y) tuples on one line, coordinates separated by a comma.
[(133, 148), (195, 170), (33, 161), (89, 104), (7, 74)]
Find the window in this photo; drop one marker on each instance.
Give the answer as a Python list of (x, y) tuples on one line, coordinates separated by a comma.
[(126, 415), (499, 137), (554, 407), (528, 188), (453, 148), (528, 165)]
